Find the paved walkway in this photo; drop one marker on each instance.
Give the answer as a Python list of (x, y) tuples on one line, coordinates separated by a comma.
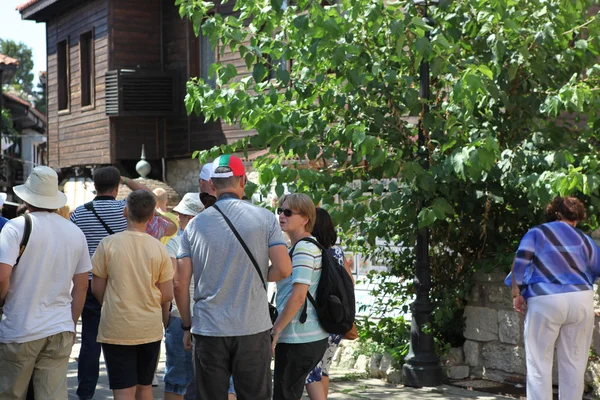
[(343, 386)]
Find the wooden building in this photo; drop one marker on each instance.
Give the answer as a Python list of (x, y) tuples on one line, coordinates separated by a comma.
[(116, 80)]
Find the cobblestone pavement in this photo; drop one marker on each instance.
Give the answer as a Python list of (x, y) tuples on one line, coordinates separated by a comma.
[(345, 386)]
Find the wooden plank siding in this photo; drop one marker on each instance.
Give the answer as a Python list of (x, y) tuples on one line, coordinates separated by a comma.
[(78, 136), (135, 43)]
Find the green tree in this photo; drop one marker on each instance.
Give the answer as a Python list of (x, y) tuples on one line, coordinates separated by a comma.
[(513, 121), (23, 78)]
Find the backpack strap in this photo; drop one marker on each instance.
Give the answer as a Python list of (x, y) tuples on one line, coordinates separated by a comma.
[(239, 238), (309, 297), (90, 207), (25, 239)]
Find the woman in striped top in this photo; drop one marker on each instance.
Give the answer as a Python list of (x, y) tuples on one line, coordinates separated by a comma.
[(552, 280), (299, 345)]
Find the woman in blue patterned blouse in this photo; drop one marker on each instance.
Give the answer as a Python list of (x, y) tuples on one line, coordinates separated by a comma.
[(552, 280)]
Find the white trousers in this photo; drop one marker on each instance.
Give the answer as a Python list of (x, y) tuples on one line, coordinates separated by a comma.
[(564, 320)]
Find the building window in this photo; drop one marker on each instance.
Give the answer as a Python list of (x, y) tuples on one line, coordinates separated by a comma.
[(62, 64), (86, 68), (207, 58)]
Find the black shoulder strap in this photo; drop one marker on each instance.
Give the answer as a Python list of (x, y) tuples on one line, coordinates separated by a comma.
[(90, 207), (239, 238), (26, 235)]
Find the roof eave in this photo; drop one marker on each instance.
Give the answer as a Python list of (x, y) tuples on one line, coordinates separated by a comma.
[(34, 11)]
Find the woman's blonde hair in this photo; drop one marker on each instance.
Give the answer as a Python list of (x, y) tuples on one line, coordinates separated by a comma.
[(302, 204)]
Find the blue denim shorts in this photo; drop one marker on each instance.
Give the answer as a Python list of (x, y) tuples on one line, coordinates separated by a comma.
[(179, 370)]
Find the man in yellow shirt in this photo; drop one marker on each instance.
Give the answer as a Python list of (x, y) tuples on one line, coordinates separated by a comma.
[(132, 278)]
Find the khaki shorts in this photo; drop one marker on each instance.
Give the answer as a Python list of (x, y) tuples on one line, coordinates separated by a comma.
[(46, 358)]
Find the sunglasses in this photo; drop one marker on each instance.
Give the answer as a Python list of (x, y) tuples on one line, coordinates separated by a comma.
[(286, 211)]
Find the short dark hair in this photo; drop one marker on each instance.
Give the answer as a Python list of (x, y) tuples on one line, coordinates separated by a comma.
[(106, 179), (323, 229), (140, 205), (224, 183), (565, 208)]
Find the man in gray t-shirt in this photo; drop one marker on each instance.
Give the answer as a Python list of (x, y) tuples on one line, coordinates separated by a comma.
[(231, 323)]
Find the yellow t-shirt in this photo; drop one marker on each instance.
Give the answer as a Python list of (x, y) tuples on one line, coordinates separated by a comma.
[(133, 263), (172, 217)]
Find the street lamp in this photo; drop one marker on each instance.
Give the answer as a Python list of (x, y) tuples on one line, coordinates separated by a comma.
[(422, 366)]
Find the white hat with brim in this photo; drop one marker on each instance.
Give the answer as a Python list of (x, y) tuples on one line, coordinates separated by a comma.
[(190, 205), (3, 197), (41, 189)]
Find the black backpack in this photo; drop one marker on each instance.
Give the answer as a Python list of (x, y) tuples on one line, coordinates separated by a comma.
[(335, 303)]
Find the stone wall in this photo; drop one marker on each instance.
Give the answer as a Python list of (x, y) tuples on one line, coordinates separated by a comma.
[(182, 175), (494, 347)]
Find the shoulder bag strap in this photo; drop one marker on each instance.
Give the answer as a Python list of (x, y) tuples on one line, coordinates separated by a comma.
[(90, 207), (26, 235), (239, 238)]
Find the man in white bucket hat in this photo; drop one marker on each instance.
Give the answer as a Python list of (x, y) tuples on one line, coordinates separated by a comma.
[(179, 366), (40, 307)]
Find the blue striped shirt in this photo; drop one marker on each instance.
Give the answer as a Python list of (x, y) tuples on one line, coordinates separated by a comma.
[(555, 258), (111, 212)]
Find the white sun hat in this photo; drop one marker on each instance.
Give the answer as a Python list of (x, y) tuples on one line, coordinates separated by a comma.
[(190, 205), (41, 189), (205, 172), (3, 197)]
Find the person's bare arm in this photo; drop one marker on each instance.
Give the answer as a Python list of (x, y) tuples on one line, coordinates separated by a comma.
[(294, 303), (78, 294), (183, 277), (134, 185), (166, 291), (166, 315), (281, 264), (519, 303), (5, 271), (98, 288)]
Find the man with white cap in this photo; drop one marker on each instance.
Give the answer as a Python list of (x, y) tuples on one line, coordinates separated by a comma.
[(208, 195), (42, 292), (231, 323), (2, 219)]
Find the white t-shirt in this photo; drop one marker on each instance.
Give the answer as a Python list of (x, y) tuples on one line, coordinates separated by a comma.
[(38, 303)]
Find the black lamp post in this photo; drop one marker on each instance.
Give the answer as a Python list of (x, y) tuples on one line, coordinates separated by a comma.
[(422, 366)]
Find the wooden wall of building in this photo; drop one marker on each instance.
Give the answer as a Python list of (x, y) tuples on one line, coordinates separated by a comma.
[(135, 43), (187, 134), (78, 135)]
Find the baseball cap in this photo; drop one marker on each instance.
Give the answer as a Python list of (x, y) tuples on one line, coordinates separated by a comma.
[(205, 171), (228, 166)]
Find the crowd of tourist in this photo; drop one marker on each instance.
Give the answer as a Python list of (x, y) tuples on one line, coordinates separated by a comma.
[(135, 274), (196, 277)]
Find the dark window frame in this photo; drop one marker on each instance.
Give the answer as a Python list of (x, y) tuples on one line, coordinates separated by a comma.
[(63, 76), (87, 73)]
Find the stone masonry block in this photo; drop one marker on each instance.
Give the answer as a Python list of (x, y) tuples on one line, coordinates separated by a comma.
[(472, 352), (481, 324), (510, 327), (505, 357), (491, 277), (498, 295)]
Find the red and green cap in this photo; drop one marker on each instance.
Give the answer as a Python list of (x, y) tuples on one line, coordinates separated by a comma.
[(226, 166)]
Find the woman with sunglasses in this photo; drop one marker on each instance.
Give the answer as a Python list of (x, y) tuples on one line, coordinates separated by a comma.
[(298, 347)]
